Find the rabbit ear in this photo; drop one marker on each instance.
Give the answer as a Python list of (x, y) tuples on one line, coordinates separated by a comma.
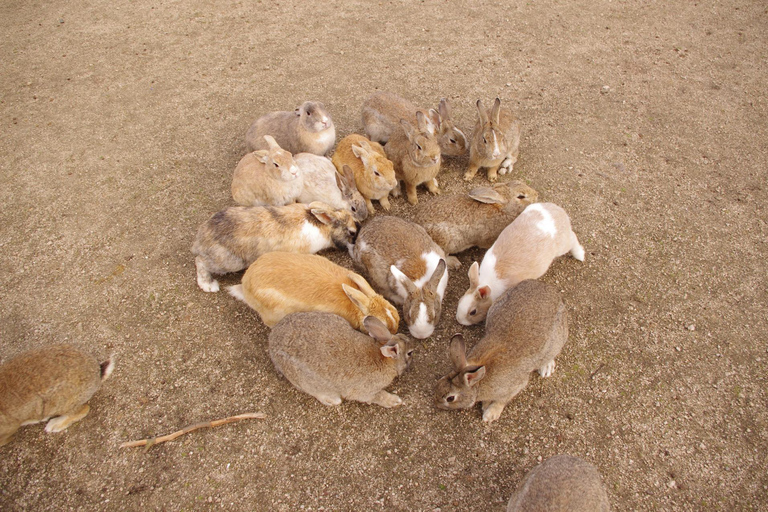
[(444, 109), (484, 291), (437, 275), (340, 182), (357, 297), (390, 350), (271, 142), (349, 177), (482, 112), (404, 280), (434, 117), (458, 352), (487, 195), (262, 155), (473, 375), (474, 275), (408, 127), (377, 330), (321, 213), (362, 284), (423, 122), (495, 111), (360, 151)]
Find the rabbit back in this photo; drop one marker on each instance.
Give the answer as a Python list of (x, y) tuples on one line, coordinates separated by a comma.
[(382, 112)]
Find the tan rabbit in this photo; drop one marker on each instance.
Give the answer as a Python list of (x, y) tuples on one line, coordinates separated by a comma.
[(374, 173), (524, 250), (382, 112), (322, 355), (52, 382), (416, 156), (495, 141), (280, 283), (407, 267), (267, 177), (323, 183), (458, 222), (234, 237), (308, 129), (562, 483), (525, 330)]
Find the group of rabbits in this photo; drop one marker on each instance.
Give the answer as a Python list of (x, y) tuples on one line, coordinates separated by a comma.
[(334, 335)]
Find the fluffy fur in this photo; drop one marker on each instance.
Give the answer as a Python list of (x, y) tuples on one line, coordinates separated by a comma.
[(373, 171), (308, 129), (323, 183), (495, 141), (267, 177)]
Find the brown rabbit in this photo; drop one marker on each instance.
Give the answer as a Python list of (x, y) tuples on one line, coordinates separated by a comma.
[(562, 483), (308, 129), (525, 330), (52, 382), (374, 172), (495, 141), (322, 182), (280, 283), (267, 177)]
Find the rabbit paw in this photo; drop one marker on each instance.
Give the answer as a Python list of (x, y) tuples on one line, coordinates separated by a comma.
[(548, 369), (60, 423), (506, 165), (578, 252), (453, 262), (329, 399), (384, 202), (385, 399), (492, 411), (208, 286)]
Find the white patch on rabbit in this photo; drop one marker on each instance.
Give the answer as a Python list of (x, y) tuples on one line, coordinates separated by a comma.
[(488, 276), (547, 224), (421, 328), (496, 150), (462, 311), (237, 292), (577, 251), (326, 136), (399, 288), (389, 315), (548, 369), (431, 259), (317, 240)]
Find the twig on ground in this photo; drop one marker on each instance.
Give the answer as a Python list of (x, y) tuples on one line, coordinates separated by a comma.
[(170, 437)]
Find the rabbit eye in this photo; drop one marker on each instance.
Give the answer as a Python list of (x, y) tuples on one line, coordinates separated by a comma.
[(473, 312), (453, 141), (410, 353), (276, 165), (521, 196), (485, 141), (353, 209), (418, 146), (377, 173), (450, 399)]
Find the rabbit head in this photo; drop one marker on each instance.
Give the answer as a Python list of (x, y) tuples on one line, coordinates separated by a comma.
[(423, 149), (278, 160), (313, 116), (452, 141), (474, 305), (371, 303), (343, 225), (458, 389), (394, 346), (490, 141), (422, 306), (351, 195), (379, 170)]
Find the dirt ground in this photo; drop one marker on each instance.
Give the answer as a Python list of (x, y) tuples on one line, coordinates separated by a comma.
[(646, 120)]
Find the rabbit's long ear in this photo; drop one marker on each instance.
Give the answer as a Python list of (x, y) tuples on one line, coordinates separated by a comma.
[(378, 331), (473, 375), (495, 111), (482, 113), (390, 350), (458, 352)]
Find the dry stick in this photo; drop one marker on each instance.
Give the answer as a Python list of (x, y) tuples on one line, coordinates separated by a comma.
[(170, 437)]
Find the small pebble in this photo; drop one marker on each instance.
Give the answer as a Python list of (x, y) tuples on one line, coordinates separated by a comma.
[(605, 89)]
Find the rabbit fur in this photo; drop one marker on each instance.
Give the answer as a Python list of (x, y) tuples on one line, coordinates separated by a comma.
[(374, 172), (323, 183), (495, 141), (525, 330), (267, 177), (280, 283), (308, 129), (322, 355), (524, 250), (234, 237)]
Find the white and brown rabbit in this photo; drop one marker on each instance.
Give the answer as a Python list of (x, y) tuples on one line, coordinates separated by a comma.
[(267, 177), (51, 384), (323, 183), (562, 483), (322, 355), (495, 141), (308, 129), (234, 237), (525, 330), (524, 250), (373, 171), (415, 154), (280, 283), (407, 267), (382, 112), (458, 222)]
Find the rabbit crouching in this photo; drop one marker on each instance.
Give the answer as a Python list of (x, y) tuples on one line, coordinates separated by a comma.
[(267, 177), (373, 171), (308, 129), (524, 332), (323, 183), (51, 382), (495, 141)]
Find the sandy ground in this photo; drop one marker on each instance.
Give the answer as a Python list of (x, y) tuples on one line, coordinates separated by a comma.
[(122, 124)]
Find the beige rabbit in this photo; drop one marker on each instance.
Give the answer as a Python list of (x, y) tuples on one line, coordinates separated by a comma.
[(524, 250), (495, 141), (308, 129), (415, 155), (267, 177), (562, 483), (280, 283), (323, 183), (525, 330), (374, 173), (51, 384), (382, 113), (458, 222), (322, 355), (234, 237)]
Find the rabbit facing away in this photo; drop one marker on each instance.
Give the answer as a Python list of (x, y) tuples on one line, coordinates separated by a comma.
[(373, 171), (562, 483), (495, 141), (280, 283), (458, 222), (234, 237), (308, 129), (524, 250), (382, 112), (51, 384), (525, 330), (322, 355), (407, 267), (267, 177), (415, 154), (322, 183)]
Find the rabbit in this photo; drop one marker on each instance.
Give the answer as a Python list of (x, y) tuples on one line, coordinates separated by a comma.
[(51, 384), (495, 142), (562, 483), (525, 330), (415, 155), (234, 237), (322, 355), (405, 266), (323, 183), (382, 112), (374, 172), (458, 222), (308, 129), (524, 250), (267, 177), (280, 283)]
